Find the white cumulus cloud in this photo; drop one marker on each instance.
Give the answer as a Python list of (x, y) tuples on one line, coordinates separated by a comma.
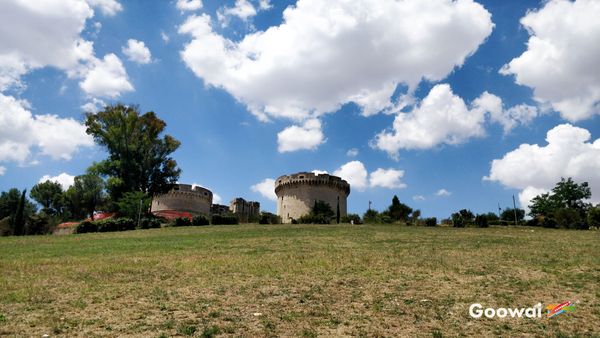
[(242, 9), (535, 169), (107, 7), (441, 118), (64, 179), (353, 152), (418, 198), (106, 78), (328, 53), (355, 173), (22, 134), (137, 51), (387, 178), (308, 136), (2, 170), (443, 192), (266, 188), (188, 5), (561, 60)]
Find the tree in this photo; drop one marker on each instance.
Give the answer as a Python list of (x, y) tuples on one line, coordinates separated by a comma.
[(139, 157), (321, 213), (371, 216), (86, 194), (399, 211), (19, 219), (337, 212), (593, 216), (569, 194), (9, 204), (542, 205), (508, 215), (462, 218), (132, 204), (49, 195)]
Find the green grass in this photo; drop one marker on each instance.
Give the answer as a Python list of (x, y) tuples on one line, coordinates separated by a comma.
[(297, 280)]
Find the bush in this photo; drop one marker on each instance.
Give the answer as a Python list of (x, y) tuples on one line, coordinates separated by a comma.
[(182, 222), (593, 217), (567, 218), (269, 218), (200, 220), (150, 223), (223, 220), (481, 221), (351, 218), (314, 219), (115, 224), (430, 221), (85, 227)]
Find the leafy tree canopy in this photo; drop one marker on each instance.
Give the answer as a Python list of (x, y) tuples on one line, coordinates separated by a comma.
[(139, 156), (49, 195)]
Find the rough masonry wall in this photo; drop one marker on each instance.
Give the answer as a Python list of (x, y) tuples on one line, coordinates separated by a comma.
[(297, 201), (182, 201)]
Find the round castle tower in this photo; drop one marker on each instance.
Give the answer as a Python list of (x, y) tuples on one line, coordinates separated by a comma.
[(297, 193), (183, 197)]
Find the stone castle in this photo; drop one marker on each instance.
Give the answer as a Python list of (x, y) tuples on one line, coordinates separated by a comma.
[(296, 195), (195, 200)]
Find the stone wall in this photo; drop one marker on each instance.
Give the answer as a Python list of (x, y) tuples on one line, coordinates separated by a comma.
[(296, 194), (244, 210), (183, 197)]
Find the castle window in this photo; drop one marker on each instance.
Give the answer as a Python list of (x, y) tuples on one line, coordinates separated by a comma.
[(301, 176)]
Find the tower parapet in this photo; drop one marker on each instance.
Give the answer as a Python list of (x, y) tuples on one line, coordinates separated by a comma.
[(297, 193)]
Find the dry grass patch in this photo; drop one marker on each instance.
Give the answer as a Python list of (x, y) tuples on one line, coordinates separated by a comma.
[(303, 281)]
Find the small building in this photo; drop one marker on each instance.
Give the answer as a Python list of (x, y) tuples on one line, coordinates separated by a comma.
[(244, 210), (219, 209)]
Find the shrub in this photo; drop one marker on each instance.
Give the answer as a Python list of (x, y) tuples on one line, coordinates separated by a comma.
[(200, 220), (351, 218), (182, 222), (430, 221), (481, 221), (567, 218), (223, 220), (150, 223), (85, 227), (593, 217), (115, 224), (269, 218)]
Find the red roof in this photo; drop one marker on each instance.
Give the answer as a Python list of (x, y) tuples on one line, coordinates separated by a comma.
[(67, 225), (172, 214)]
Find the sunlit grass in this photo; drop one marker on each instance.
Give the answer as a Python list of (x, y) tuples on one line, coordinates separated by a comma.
[(298, 280)]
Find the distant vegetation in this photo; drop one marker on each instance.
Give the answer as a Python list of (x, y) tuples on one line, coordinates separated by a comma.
[(139, 165)]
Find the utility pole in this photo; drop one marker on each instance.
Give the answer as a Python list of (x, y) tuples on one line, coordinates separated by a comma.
[(515, 209), (499, 210), (369, 205)]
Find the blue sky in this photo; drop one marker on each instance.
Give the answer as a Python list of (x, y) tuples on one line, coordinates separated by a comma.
[(448, 105)]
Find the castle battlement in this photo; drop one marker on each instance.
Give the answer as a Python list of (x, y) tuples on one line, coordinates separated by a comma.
[(311, 179)]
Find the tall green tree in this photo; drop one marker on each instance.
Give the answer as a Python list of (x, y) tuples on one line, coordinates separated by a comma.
[(49, 195), (85, 195), (139, 154), (569, 194), (399, 211), (9, 204), (19, 219), (508, 214)]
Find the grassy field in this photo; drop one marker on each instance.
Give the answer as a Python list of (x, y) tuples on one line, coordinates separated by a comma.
[(298, 280)]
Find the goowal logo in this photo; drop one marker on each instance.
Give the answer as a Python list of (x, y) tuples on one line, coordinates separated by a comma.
[(477, 311)]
